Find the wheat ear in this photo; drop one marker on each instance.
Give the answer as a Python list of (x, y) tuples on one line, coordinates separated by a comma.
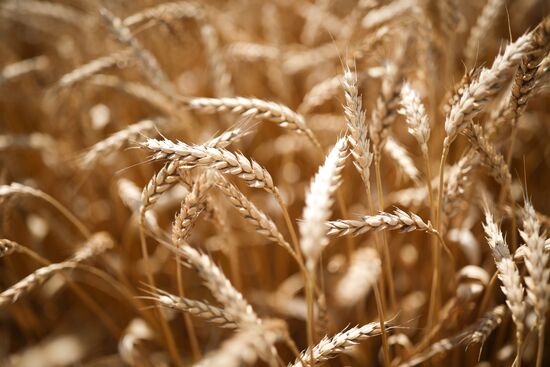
[(191, 207), (536, 263), (398, 220), (93, 67), (165, 12), (257, 108), (119, 140), (97, 244), (249, 344), (215, 280), (363, 272), (318, 202), (358, 132), (216, 158), (22, 67), (329, 348), (149, 64), (508, 274), (259, 220), (479, 32), (200, 309)]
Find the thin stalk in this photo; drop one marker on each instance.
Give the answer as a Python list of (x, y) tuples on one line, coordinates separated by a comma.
[(310, 285), (290, 226), (387, 261), (170, 342), (193, 341), (70, 216), (436, 251), (519, 354), (382, 317), (540, 348), (87, 300), (435, 283)]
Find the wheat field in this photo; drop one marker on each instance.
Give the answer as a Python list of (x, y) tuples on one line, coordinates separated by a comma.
[(282, 183)]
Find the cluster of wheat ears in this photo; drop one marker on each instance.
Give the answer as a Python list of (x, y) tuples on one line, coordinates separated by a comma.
[(279, 182)]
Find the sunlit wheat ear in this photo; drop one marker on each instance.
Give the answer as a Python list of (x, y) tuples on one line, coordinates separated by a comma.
[(247, 346), (386, 106), (257, 108), (483, 88), (98, 243), (170, 173), (508, 272), (479, 32), (96, 66), (119, 140), (191, 207), (199, 309), (386, 13), (536, 262), (139, 91), (398, 220), (361, 275), (329, 348), (216, 158), (215, 280), (355, 118), (415, 113), (259, 220), (165, 12), (31, 9), (475, 333), (148, 62), (318, 203), (402, 159), (524, 86), (221, 78)]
